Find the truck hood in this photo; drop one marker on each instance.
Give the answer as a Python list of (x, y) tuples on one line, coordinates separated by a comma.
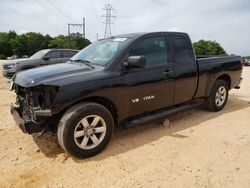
[(51, 74)]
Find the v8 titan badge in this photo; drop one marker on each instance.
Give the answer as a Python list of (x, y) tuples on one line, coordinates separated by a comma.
[(145, 98)]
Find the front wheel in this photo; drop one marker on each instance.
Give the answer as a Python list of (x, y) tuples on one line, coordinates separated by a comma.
[(85, 129), (218, 96)]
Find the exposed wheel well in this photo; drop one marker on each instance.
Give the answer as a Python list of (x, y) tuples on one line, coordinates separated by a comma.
[(106, 103), (226, 78), (100, 100)]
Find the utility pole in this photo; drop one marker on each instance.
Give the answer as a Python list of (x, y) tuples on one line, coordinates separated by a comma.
[(108, 20), (79, 27)]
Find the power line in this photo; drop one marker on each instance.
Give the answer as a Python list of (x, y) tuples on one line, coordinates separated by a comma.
[(93, 7), (108, 20), (71, 7), (51, 10), (58, 10), (96, 12), (116, 12)]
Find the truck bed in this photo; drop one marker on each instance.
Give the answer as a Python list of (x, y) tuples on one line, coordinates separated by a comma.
[(211, 67)]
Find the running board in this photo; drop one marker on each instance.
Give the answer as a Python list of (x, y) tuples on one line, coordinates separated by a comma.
[(160, 114)]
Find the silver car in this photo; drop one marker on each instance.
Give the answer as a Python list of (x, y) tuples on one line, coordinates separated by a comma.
[(40, 58)]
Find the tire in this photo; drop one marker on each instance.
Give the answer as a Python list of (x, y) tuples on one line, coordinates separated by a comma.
[(218, 96), (85, 129)]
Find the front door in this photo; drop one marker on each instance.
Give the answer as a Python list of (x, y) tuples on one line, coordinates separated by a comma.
[(52, 58), (152, 87)]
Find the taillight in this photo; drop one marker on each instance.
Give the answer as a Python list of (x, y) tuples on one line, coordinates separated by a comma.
[(241, 63)]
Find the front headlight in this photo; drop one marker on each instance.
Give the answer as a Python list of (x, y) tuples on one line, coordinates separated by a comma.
[(45, 95), (11, 66), (11, 86)]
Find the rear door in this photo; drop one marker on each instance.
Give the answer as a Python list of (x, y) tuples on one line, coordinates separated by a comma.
[(185, 67), (152, 87)]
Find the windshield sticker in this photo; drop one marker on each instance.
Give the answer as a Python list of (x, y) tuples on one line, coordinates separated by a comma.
[(120, 39)]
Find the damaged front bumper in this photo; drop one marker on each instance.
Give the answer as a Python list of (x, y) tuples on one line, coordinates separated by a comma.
[(26, 125)]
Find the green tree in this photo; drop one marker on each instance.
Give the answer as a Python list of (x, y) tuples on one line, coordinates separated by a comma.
[(12, 34), (59, 41), (35, 42), (3, 42), (75, 42), (19, 45), (5, 47), (30, 43), (203, 47), (80, 43), (46, 40)]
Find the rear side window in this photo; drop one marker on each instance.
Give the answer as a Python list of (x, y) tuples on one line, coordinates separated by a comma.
[(154, 49), (68, 53), (182, 49), (53, 55)]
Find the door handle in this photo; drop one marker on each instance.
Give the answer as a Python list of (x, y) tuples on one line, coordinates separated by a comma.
[(167, 73)]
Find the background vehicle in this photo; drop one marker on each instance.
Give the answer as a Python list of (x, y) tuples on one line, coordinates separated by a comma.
[(128, 80), (12, 57), (41, 58), (247, 62), (25, 56)]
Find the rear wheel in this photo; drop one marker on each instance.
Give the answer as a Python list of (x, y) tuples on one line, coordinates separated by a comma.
[(218, 96), (85, 129)]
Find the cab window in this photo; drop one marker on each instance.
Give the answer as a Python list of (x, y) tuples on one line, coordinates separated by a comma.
[(53, 55), (183, 50), (68, 53), (154, 49)]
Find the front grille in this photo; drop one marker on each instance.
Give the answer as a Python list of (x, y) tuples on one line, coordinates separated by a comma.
[(20, 91), (6, 67), (24, 101)]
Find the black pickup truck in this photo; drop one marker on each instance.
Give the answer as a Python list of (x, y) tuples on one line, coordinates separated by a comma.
[(124, 80)]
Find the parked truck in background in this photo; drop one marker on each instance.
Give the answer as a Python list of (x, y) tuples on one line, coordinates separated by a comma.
[(124, 80)]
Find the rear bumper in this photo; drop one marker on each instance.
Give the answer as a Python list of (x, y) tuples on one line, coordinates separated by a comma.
[(241, 79), (238, 86), (27, 126)]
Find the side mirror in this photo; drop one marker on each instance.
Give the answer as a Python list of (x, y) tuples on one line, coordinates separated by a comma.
[(135, 61), (46, 58)]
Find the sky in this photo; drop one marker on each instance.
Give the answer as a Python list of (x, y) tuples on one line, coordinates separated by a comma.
[(225, 21)]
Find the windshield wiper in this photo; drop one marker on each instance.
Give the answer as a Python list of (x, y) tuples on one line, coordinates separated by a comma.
[(83, 61)]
